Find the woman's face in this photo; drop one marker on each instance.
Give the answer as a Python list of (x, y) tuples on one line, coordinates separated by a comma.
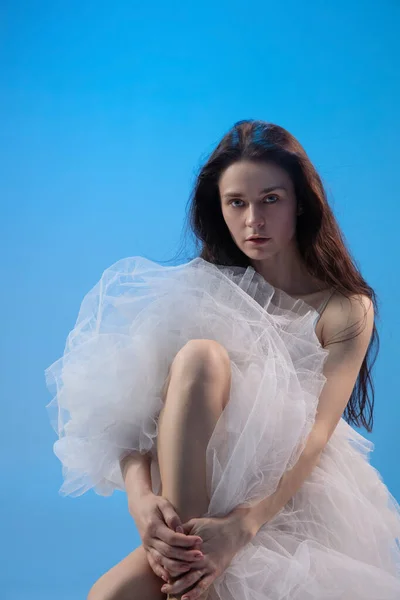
[(258, 198)]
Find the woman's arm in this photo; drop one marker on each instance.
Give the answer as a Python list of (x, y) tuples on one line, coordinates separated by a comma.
[(346, 318), (135, 469)]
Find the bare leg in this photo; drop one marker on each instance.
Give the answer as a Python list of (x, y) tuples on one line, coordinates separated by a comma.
[(131, 579), (197, 393)]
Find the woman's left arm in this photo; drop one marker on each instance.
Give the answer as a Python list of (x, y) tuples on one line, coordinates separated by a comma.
[(350, 320)]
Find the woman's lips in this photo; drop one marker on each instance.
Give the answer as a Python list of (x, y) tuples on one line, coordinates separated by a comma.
[(258, 241)]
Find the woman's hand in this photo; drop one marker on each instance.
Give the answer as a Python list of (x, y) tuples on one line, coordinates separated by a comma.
[(222, 537), (168, 552)]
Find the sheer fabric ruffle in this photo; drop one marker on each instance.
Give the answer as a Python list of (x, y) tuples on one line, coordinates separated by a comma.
[(338, 537)]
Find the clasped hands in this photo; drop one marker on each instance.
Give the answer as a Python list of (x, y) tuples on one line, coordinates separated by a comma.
[(191, 560)]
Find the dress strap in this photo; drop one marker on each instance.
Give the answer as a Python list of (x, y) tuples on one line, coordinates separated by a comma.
[(324, 304)]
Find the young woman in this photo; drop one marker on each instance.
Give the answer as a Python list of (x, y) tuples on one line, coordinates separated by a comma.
[(220, 394)]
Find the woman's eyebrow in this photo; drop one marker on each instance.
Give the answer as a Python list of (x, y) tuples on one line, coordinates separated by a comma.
[(264, 191)]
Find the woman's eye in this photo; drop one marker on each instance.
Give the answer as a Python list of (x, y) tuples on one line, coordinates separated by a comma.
[(271, 199)]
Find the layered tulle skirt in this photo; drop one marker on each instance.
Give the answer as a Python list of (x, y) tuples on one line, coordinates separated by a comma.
[(338, 537)]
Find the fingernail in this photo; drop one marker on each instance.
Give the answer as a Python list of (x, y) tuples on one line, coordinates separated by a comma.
[(179, 529), (198, 555)]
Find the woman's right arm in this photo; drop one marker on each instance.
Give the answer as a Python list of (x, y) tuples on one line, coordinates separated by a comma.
[(135, 469), (156, 521)]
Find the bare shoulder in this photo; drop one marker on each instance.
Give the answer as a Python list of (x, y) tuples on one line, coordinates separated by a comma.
[(348, 319)]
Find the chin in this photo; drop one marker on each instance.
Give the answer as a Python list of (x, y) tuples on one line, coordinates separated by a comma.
[(260, 254), (255, 251)]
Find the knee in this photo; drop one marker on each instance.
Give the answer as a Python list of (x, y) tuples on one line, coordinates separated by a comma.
[(95, 594), (98, 591), (92, 595), (203, 358), (104, 589)]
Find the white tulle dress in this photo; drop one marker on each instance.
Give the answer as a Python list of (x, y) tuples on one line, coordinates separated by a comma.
[(338, 537)]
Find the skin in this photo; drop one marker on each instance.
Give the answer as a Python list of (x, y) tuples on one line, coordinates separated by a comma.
[(248, 210), (197, 390)]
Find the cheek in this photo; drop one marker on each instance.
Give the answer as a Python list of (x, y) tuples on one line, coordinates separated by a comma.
[(284, 225)]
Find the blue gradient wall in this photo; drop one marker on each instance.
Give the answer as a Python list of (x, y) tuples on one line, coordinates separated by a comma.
[(107, 110)]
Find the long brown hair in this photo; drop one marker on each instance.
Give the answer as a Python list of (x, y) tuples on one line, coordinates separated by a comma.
[(319, 238)]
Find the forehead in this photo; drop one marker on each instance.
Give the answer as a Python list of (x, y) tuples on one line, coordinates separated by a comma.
[(251, 177)]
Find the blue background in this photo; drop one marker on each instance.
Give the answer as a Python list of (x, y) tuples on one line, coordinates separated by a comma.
[(107, 110)]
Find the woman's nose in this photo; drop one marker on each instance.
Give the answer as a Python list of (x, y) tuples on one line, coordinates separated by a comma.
[(254, 218)]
